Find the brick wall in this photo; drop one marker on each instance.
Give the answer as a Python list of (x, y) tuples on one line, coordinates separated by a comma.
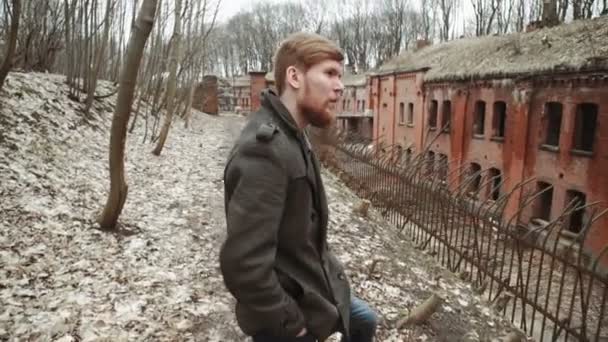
[(258, 84), (206, 95)]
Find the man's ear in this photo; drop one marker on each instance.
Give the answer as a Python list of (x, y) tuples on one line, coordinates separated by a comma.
[(294, 77)]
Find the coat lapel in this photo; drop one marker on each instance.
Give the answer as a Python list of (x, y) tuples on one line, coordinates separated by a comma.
[(321, 198), (313, 171)]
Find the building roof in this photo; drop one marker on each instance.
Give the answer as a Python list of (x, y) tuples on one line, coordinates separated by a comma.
[(354, 80), (578, 46), (241, 81), (269, 76)]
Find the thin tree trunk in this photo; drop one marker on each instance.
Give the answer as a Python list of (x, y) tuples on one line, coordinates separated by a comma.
[(136, 114), (87, 39), (69, 14), (120, 120), (188, 109), (99, 59), (12, 44), (172, 81)]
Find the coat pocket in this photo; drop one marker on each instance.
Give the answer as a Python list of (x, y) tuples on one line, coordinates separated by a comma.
[(293, 289), (322, 316)]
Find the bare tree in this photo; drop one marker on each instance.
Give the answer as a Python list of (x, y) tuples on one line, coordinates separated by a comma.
[(447, 11), (395, 15), (550, 17), (587, 9), (200, 48), (94, 72), (172, 80), (520, 15), (69, 8), (504, 16), (535, 10), (352, 28), (128, 78), (39, 36), (485, 14), (12, 41), (393, 26), (317, 16), (428, 19), (561, 7)]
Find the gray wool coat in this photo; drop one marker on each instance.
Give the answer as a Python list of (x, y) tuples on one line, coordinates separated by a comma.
[(275, 260)]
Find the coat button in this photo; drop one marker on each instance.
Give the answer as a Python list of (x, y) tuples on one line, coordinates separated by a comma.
[(341, 276)]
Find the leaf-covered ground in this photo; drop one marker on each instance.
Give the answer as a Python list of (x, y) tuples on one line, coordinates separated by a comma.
[(62, 279)]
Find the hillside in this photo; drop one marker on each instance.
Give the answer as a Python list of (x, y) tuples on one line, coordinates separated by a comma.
[(157, 279)]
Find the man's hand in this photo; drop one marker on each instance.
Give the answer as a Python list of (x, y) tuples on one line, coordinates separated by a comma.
[(302, 333)]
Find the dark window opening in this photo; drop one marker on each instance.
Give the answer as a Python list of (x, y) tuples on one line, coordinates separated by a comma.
[(443, 167), (363, 105), (553, 111), (480, 118), (401, 113), (343, 105), (410, 113), (446, 115), (499, 119), (495, 182), (433, 114), (408, 155), (577, 218), (353, 125), (430, 162), (398, 154), (475, 172), (584, 126), (544, 201)]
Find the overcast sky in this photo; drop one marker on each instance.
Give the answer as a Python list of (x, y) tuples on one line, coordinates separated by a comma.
[(228, 8)]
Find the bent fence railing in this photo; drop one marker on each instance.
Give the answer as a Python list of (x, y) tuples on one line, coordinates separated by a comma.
[(536, 273)]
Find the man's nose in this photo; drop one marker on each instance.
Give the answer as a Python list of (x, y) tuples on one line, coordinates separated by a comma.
[(339, 88)]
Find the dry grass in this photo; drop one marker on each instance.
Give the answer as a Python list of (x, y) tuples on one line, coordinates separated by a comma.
[(579, 46), (354, 80)]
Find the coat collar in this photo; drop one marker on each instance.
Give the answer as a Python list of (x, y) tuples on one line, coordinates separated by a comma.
[(272, 101)]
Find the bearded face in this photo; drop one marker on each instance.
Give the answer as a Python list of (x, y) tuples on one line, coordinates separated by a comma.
[(321, 89)]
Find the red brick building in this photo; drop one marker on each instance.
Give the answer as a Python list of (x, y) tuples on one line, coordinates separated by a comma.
[(241, 87), (206, 95), (247, 90), (353, 114), (519, 106)]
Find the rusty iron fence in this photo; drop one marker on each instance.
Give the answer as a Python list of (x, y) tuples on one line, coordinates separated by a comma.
[(536, 273)]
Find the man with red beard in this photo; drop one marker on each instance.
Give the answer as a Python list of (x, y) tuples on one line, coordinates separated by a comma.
[(275, 260)]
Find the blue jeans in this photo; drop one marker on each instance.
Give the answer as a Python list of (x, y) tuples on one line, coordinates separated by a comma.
[(363, 322)]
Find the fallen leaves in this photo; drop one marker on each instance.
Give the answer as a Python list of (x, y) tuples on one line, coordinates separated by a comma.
[(421, 313), (62, 279)]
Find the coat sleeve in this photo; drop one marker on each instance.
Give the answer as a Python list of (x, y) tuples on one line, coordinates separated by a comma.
[(256, 185)]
